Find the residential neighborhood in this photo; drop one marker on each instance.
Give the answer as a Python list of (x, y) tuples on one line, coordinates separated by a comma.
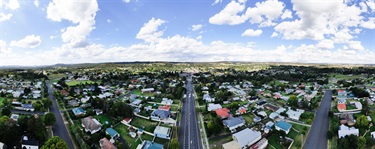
[(141, 110)]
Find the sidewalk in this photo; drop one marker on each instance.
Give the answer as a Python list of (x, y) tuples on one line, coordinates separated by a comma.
[(204, 131)]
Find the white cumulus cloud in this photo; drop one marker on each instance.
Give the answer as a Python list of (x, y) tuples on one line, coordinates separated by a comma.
[(79, 12), (149, 32), (4, 17), (251, 32), (230, 14), (30, 41), (196, 27)]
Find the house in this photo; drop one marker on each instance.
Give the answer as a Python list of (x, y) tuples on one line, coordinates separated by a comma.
[(270, 124), (98, 111), (165, 108), (136, 102), (147, 90), (78, 111), (73, 103), (14, 117), (160, 114), (91, 125), (284, 126), (241, 110), (106, 144), (260, 104), (213, 107), (126, 120), (257, 119), (223, 113), (341, 106), (29, 144), (294, 114), (243, 139), (357, 104), (162, 132), (166, 101), (25, 107), (113, 133), (342, 93), (207, 98), (271, 107), (373, 134), (262, 144), (150, 145), (234, 122), (346, 131), (262, 113)]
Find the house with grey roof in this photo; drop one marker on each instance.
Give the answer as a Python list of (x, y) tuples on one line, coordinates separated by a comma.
[(91, 125), (162, 132), (160, 115), (234, 122)]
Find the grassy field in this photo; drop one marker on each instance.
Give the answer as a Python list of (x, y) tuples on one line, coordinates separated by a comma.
[(103, 119), (147, 124), (345, 77), (75, 82), (56, 76)]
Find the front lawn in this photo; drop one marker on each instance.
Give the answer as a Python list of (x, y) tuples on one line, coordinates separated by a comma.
[(144, 124), (274, 142)]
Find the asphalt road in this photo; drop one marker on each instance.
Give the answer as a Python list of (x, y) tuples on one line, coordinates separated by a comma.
[(317, 137), (59, 128), (189, 136)]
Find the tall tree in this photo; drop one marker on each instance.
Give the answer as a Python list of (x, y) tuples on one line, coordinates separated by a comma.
[(49, 119), (293, 101), (54, 143), (362, 122), (36, 127), (174, 144)]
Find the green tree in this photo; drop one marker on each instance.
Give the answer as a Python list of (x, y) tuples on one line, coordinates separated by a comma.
[(330, 134), (49, 119), (361, 142), (174, 144), (121, 109), (37, 106), (293, 101), (36, 126), (9, 132), (5, 111), (46, 103), (55, 142), (362, 122)]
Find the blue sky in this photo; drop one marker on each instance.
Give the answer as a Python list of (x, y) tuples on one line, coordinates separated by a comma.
[(44, 32)]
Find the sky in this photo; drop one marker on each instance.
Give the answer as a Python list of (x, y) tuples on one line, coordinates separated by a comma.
[(47, 32)]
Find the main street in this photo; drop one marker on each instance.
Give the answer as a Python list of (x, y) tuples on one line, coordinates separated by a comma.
[(59, 128), (189, 136), (317, 137)]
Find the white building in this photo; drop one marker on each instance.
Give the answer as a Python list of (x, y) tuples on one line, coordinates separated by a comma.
[(345, 131), (243, 139), (213, 107)]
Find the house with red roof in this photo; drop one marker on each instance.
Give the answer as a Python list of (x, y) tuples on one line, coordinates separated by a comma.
[(223, 113), (165, 108), (126, 120), (341, 106), (241, 110)]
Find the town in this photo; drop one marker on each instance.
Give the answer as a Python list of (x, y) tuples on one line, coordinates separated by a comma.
[(188, 105)]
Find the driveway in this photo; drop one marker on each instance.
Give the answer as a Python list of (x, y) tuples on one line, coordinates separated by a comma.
[(317, 137)]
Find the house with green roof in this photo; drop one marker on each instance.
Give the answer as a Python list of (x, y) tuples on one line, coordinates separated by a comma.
[(113, 133), (284, 126)]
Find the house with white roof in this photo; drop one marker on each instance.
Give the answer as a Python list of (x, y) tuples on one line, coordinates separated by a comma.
[(213, 107), (346, 131), (243, 139), (294, 114), (207, 98)]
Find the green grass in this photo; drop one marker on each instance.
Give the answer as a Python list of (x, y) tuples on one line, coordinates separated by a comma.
[(249, 118), (103, 118), (346, 77), (148, 124), (56, 76), (162, 141), (274, 141), (75, 82), (124, 133), (1, 101)]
